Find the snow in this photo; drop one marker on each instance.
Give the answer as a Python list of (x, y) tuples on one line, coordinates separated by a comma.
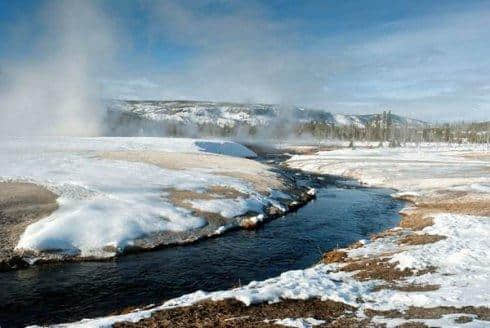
[(106, 202), (409, 168), (231, 115), (230, 208), (462, 260), (180, 145), (299, 322), (480, 187)]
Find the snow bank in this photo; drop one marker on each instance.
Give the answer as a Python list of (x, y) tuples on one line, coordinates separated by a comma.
[(299, 322), (406, 168), (104, 205), (181, 145)]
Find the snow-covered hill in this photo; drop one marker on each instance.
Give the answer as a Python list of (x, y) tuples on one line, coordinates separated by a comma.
[(236, 114)]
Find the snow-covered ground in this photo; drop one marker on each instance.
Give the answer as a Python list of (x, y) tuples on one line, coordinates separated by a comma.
[(235, 114), (105, 203), (458, 265), (414, 167)]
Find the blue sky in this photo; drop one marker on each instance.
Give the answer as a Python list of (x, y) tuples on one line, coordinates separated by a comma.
[(425, 59)]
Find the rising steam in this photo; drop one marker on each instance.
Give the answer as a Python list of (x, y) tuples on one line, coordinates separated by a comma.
[(54, 91)]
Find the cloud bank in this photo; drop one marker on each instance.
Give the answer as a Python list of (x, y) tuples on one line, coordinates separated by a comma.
[(432, 65)]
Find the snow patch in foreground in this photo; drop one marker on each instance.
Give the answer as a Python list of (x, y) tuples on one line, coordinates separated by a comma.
[(298, 322)]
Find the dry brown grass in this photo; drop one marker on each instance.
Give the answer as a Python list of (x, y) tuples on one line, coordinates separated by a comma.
[(334, 256), (232, 313), (408, 288), (459, 202), (387, 233), (414, 239), (481, 156), (181, 197), (381, 269), (416, 220), (482, 313)]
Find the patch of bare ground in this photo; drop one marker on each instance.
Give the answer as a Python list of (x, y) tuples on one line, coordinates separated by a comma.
[(387, 233), (408, 287), (20, 205), (252, 171), (415, 239), (416, 219), (308, 150), (456, 201), (406, 197), (413, 325), (183, 198), (380, 269), (232, 313), (481, 156), (334, 256), (481, 313), (463, 319)]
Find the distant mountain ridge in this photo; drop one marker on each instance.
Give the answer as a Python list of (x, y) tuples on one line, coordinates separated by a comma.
[(225, 114)]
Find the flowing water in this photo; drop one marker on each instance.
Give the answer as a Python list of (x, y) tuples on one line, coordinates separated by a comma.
[(55, 293)]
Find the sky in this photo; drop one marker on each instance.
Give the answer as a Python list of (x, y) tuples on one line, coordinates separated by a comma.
[(423, 59)]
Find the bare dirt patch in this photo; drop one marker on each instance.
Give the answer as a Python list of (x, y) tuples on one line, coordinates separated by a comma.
[(334, 256), (387, 233), (183, 198), (481, 156), (408, 288), (381, 269), (20, 205), (232, 313), (414, 239), (482, 313), (456, 201), (416, 220), (252, 171)]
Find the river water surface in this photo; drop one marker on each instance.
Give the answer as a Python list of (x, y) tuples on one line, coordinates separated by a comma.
[(54, 293)]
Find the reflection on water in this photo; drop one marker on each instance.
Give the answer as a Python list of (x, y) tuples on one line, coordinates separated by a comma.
[(65, 292)]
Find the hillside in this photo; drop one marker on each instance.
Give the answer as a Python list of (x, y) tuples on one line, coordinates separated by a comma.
[(235, 114)]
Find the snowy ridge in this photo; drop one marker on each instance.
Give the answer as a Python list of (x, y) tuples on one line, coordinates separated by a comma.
[(234, 114)]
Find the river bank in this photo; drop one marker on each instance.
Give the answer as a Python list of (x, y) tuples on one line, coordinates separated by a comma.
[(432, 270), (79, 199)]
